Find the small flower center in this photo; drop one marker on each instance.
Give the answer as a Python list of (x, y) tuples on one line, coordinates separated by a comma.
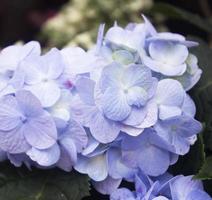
[(44, 80), (23, 119)]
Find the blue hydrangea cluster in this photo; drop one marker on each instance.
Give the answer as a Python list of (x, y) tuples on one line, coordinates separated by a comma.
[(164, 187), (113, 112)]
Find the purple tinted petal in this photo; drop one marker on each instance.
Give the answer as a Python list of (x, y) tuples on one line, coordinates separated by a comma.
[(47, 157), (198, 195), (170, 92), (85, 89), (136, 116), (96, 167), (10, 113), (169, 53), (102, 129), (182, 186), (77, 134), (100, 37), (13, 141), (52, 64), (117, 169), (151, 117), (114, 104), (41, 132), (122, 194), (166, 112), (47, 92), (188, 106), (107, 186), (163, 68), (68, 156), (28, 103)]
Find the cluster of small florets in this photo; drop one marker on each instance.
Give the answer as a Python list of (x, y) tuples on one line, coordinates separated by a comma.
[(113, 112)]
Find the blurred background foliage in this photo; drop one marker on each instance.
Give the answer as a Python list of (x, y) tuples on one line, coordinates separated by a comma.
[(60, 23), (75, 22)]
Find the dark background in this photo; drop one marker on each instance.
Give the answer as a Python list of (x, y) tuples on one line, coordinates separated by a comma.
[(22, 19)]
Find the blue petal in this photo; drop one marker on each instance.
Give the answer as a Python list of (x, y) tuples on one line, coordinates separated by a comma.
[(107, 186), (115, 105), (103, 129), (170, 92), (47, 157), (28, 103), (85, 89), (40, 132), (13, 141), (96, 167), (77, 134), (68, 156), (122, 193), (10, 113)]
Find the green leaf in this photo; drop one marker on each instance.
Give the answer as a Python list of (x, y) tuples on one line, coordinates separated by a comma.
[(22, 184), (177, 13), (205, 172), (202, 93)]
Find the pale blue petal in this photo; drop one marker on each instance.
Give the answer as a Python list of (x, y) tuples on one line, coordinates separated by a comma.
[(130, 130), (151, 157), (137, 75), (115, 105), (198, 195), (172, 37), (123, 57), (183, 185), (117, 169), (81, 112), (188, 106), (102, 129), (10, 113), (116, 35), (137, 96), (136, 116), (100, 37), (160, 198), (77, 134), (166, 112), (91, 146), (11, 56), (167, 36), (168, 53), (107, 186), (78, 61), (111, 76), (151, 116), (150, 28), (13, 141), (122, 194), (47, 92), (68, 156), (47, 157), (52, 64), (28, 103), (170, 92), (30, 67), (163, 68), (145, 155), (96, 167), (40, 132), (85, 89)]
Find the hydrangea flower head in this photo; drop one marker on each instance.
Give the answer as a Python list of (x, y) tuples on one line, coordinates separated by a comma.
[(25, 124)]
